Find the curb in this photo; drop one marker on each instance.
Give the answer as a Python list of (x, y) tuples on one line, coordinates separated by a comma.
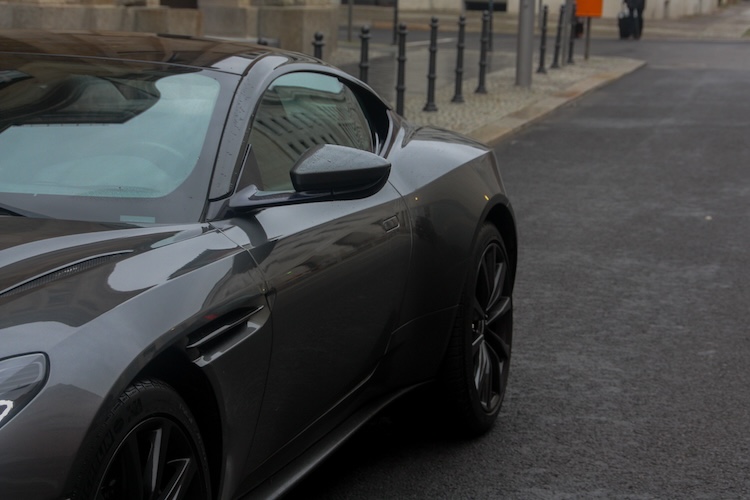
[(493, 132)]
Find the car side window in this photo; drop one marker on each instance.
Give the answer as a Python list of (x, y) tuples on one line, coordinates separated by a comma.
[(299, 111)]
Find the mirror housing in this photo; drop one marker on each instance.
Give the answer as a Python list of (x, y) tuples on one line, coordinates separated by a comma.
[(323, 173), (338, 169)]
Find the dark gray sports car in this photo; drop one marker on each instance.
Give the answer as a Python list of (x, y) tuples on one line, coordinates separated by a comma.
[(218, 260)]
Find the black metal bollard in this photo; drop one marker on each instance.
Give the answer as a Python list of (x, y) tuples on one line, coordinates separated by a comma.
[(400, 85), (364, 60), (430, 104), (318, 44), (558, 39), (481, 89), (572, 34), (458, 96), (543, 42)]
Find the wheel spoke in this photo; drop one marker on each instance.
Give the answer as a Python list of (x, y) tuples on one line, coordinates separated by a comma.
[(486, 377), (501, 307), (494, 380), (477, 326), (497, 286), (500, 345), (485, 276), (477, 344), (179, 483), (123, 476), (132, 466), (480, 369), (158, 440)]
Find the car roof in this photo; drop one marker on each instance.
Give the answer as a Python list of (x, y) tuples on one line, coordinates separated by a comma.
[(223, 55)]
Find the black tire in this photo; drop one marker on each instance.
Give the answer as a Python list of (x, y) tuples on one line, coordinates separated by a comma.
[(477, 363), (148, 447)]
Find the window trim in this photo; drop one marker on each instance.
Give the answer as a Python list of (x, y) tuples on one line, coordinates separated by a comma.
[(373, 129)]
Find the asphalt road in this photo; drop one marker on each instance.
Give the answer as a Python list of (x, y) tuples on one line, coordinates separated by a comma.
[(630, 375)]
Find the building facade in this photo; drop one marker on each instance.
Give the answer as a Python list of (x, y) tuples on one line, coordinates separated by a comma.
[(290, 24)]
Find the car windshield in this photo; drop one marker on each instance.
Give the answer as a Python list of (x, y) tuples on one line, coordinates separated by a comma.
[(107, 141)]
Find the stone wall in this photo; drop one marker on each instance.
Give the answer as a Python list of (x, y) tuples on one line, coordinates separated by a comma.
[(99, 15), (290, 24)]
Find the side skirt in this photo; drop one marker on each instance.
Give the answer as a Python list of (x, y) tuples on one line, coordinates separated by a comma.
[(276, 485)]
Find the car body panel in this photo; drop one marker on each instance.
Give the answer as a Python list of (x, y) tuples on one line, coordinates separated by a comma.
[(283, 327), (102, 336)]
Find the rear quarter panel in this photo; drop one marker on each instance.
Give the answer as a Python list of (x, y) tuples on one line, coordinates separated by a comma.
[(451, 185)]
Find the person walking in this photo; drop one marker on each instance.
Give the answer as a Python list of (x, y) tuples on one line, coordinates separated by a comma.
[(635, 13)]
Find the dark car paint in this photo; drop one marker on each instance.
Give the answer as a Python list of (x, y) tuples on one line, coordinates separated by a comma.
[(118, 320), (393, 263)]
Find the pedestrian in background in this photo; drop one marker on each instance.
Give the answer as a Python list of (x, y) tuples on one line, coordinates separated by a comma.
[(635, 13)]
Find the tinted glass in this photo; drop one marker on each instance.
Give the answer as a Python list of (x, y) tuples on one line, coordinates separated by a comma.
[(299, 111), (120, 140)]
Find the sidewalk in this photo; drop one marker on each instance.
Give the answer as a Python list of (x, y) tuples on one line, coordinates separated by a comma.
[(506, 107)]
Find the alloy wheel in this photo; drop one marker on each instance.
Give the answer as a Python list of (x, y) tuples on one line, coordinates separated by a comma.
[(491, 328), (156, 460)]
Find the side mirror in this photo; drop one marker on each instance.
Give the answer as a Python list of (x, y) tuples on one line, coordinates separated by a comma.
[(339, 169), (323, 173)]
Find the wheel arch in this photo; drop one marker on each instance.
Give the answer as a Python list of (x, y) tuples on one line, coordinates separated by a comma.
[(192, 385)]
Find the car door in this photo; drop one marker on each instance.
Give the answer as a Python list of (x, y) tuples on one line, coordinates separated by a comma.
[(335, 270)]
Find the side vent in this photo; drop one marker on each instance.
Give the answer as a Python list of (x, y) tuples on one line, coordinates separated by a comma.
[(223, 327), (63, 272)]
